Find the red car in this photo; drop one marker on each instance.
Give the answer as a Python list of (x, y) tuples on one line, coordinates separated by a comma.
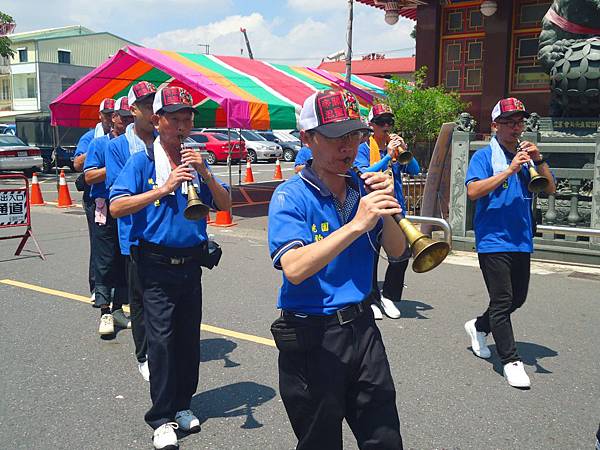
[(218, 147)]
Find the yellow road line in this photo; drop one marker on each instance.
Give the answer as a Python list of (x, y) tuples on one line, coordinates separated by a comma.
[(83, 299)]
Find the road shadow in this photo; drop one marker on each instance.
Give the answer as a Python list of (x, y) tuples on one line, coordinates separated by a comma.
[(530, 355), (234, 400), (217, 349), (412, 309)]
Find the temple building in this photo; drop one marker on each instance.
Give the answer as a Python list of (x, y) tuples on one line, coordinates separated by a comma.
[(484, 50)]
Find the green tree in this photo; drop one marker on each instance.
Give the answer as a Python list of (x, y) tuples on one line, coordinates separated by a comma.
[(420, 111), (5, 42)]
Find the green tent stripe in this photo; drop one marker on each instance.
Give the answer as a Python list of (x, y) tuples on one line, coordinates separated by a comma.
[(289, 70), (154, 76)]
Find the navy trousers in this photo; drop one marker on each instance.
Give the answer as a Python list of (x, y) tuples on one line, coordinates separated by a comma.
[(109, 265), (172, 299), (346, 377), (136, 306)]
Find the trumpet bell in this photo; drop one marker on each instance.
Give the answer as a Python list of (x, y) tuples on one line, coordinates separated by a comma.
[(195, 209), (428, 254), (404, 157), (538, 183)]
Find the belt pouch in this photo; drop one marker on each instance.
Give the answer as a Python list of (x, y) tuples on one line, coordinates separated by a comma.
[(299, 335)]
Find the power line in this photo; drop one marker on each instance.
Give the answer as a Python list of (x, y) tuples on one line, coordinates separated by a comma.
[(355, 54)]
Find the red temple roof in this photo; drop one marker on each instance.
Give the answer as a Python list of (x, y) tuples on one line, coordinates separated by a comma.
[(386, 66)]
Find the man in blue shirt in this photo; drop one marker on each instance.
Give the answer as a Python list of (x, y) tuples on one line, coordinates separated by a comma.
[(171, 250), (106, 109), (304, 154), (379, 153), (137, 137), (109, 263), (323, 226), (497, 180)]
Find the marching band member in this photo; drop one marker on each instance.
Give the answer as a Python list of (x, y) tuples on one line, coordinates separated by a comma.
[(137, 137), (171, 250), (109, 265), (105, 111), (378, 153), (497, 180), (322, 228)]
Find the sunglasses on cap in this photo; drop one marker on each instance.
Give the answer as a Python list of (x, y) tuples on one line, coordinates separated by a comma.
[(381, 121)]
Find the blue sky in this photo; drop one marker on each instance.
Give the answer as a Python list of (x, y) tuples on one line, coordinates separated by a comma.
[(286, 31)]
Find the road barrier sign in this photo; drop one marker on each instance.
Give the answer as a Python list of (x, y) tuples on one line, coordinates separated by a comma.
[(14, 211)]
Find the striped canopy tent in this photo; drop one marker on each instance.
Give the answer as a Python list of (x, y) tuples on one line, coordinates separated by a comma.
[(228, 91)]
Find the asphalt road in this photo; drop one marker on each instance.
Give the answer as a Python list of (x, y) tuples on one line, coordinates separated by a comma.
[(63, 387)]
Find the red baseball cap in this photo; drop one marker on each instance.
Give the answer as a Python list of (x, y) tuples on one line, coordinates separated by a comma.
[(107, 105), (508, 107), (331, 113), (140, 91), (171, 99)]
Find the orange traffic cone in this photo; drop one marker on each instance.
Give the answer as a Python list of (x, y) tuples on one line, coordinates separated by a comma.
[(249, 178), (36, 199), (224, 219), (64, 198), (278, 175)]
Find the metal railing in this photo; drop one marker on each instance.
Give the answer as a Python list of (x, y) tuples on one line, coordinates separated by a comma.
[(444, 225), (413, 187)]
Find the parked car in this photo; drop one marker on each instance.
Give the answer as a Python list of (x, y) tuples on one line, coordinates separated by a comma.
[(217, 147), (259, 149), (8, 129), (16, 155), (290, 147), (35, 130)]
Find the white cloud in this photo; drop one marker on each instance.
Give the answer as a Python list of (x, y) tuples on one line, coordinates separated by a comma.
[(317, 5), (301, 43)]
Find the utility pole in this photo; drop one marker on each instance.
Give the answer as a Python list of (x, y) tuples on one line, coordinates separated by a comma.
[(349, 41)]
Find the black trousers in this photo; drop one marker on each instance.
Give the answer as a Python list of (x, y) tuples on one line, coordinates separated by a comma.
[(393, 284), (136, 306), (346, 377), (506, 277), (109, 264), (172, 298), (89, 207)]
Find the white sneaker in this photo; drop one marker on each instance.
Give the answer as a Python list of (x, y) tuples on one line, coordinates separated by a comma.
[(93, 298), (187, 421), (144, 370), (376, 311), (515, 375), (107, 325), (478, 340), (165, 438), (389, 308)]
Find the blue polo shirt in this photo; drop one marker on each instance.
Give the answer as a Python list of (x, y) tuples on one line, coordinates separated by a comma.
[(116, 156), (304, 154), (363, 158), (82, 147), (503, 218), (84, 142), (161, 222), (303, 211), (96, 159)]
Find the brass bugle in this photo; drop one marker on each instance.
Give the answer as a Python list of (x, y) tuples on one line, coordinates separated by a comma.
[(427, 254), (538, 183), (403, 156), (195, 209)]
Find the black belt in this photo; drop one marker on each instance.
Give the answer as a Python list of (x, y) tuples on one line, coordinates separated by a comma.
[(170, 255), (342, 316)]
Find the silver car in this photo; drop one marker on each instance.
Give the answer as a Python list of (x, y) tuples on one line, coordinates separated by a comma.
[(259, 149), (16, 155)]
